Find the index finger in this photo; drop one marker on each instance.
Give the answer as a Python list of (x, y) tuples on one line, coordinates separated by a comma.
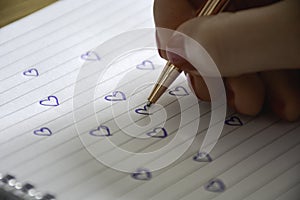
[(170, 14)]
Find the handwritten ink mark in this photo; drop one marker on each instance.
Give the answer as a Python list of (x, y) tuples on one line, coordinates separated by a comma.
[(202, 157), (90, 56), (116, 96), (48, 197), (44, 131), (159, 132), (101, 131), (215, 185), (234, 121), (50, 101), (179, 91), (142, 174), (31, 72), (143, 111), (146, 65)]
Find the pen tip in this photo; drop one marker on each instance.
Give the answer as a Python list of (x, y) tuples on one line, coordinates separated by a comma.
[(148, 104)]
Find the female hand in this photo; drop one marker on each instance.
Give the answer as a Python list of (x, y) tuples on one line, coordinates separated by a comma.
[(256, 46)]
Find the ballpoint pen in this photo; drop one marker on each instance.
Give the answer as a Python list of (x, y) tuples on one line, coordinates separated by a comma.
[(170, 71)]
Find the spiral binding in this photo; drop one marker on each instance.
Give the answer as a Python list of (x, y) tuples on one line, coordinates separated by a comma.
[(11, 189)]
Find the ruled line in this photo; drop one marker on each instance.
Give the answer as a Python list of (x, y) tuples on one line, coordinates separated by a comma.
[(47, 23), (72, 46)]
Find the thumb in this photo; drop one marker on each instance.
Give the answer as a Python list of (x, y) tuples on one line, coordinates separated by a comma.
[(248, 41)]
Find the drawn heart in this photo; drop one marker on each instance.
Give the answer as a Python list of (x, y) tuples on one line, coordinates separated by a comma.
[(44, 131), (234, 121), (142, 174), (143, 111), (116, 96), (90, 56), (179, 91), (146, 65), (215, 185), (202, 157), (100, 131), (50, 101), (49, 197), (158, 133), (31, 72)]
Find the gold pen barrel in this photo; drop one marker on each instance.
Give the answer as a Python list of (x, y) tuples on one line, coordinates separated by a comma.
[(171, 72), (167, 77)]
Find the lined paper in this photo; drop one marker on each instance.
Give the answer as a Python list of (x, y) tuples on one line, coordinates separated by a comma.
[(40, 59)]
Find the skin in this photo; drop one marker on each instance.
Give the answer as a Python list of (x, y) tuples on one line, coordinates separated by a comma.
[(255, 45)]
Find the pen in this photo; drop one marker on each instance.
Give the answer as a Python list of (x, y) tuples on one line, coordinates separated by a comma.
[(170, 71)]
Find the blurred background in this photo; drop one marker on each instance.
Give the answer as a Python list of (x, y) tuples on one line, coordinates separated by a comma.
[(12, 10)]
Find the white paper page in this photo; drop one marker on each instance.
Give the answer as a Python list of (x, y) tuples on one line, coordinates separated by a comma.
[(40, 59)]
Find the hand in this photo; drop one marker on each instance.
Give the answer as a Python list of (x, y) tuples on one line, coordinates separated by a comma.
[(256, 49)]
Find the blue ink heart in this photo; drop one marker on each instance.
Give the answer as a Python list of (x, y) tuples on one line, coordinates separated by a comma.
[(158, 133), (215, 185), (50, 101), (179, 91), (44, 131), (143, 111), (146, 65), (202, 157), (48, 197), (234, 121), (90, 56), (31, 72), (142, 174), (116, 96), (101, 131)]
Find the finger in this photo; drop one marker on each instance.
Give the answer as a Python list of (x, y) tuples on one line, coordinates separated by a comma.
[(245, 41), (246, 93), (198, 86), (284, 93), (169, 14)]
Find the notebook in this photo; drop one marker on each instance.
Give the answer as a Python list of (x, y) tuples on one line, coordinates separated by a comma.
[(55, 145)]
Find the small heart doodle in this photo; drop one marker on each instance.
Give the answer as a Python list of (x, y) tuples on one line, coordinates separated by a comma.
[(100, 131), (50, 101), (234, 121), (179, 91), (31, 72), (215, 185), (143, 111), (142, 174), (146, 65), (90, 56), (116, 96), (202, 157), (158, 133), (44, 131)]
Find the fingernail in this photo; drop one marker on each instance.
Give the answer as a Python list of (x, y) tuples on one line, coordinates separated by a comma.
[(175, 49)]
